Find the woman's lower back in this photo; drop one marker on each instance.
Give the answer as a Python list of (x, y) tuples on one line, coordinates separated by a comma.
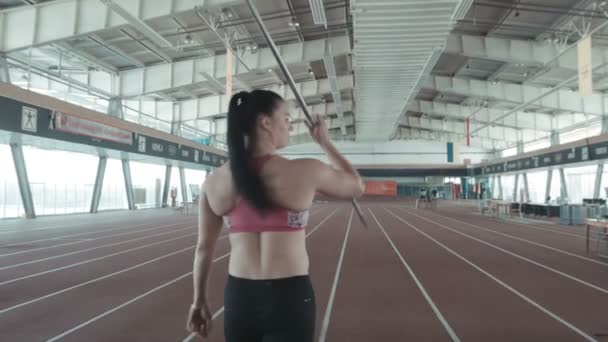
[(268, 255)]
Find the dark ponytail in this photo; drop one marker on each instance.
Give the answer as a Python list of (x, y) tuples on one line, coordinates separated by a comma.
[(243, 111)]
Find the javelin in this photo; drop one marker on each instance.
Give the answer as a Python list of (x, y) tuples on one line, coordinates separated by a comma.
[(292, 84)]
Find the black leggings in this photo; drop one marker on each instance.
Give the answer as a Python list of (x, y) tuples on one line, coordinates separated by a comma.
[(276, 310)]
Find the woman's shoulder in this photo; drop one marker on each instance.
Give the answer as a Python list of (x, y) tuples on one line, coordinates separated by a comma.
[(218, 180), (219, 189)]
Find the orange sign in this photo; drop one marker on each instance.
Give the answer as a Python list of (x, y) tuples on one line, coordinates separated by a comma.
[(387, 188)]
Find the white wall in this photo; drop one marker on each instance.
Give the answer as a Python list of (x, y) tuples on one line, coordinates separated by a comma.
[(392, 152)]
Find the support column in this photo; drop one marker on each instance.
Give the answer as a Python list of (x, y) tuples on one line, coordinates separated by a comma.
[(598, 180), (605, 123), (548, 188), (526, 189), (176, 122), (5, 75), (564, 187), (515, 197), (554, 137), (115, 108), (166, 186), (182, 177), (101, 171), (520, 151), (24, 183), (500, 188), (492, 186), (126, 170)]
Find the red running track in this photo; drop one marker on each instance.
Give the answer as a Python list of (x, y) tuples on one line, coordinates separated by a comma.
[(446, 274)]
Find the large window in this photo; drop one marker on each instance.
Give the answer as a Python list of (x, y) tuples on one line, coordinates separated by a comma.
[(194, 180), (509, 152), (175, 187), (508, 184), (113, 193), (537, 185), (555, 188), (581, 133), (10, 197), (61, 182), (519, 190), (580, 182), (537, 145), (147, 182), (604, 183)]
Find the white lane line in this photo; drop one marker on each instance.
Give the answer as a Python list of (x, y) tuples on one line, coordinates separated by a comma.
[(70, 226), (503, 284), (35, 300), (70, 235), (102, 246), (67, 218), (116, 308), (428, 298), (45, 226), (92, 239), (90, 249), (330, 302), (529, 226), (541, 265), (18, 243), (94, 259), (523, 240), (109, 230), (191, 336)]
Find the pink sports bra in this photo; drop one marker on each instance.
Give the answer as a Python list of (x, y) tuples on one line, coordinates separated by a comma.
[(244, 218)]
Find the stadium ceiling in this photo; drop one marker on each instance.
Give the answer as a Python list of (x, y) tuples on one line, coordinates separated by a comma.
[(380, 70)]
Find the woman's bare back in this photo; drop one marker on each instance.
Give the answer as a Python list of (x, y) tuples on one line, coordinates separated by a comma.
[(267, 255)]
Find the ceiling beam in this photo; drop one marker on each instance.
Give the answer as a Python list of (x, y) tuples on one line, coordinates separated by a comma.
[(558, 100), (330, 69), (217, 105), (86, 58), (525, 120), (27, 26), (410, 132), (164, 77), (497, 133), (132, 17)]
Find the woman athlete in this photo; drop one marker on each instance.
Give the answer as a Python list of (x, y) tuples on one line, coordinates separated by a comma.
[(263, 199)]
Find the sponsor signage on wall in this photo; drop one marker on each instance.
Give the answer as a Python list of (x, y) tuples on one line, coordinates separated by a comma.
[(75, 125), (23, 118)]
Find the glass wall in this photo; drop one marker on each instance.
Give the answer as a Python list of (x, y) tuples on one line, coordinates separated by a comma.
[(581, 133), (194, 180), (148, 180), (580, 182), (508, 152), (508, 184), (61, 182), (519, 195), (537, 184), (537, 145), (555, 188), (604, 183), (10, 197), (113, 193), (175, 187)]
